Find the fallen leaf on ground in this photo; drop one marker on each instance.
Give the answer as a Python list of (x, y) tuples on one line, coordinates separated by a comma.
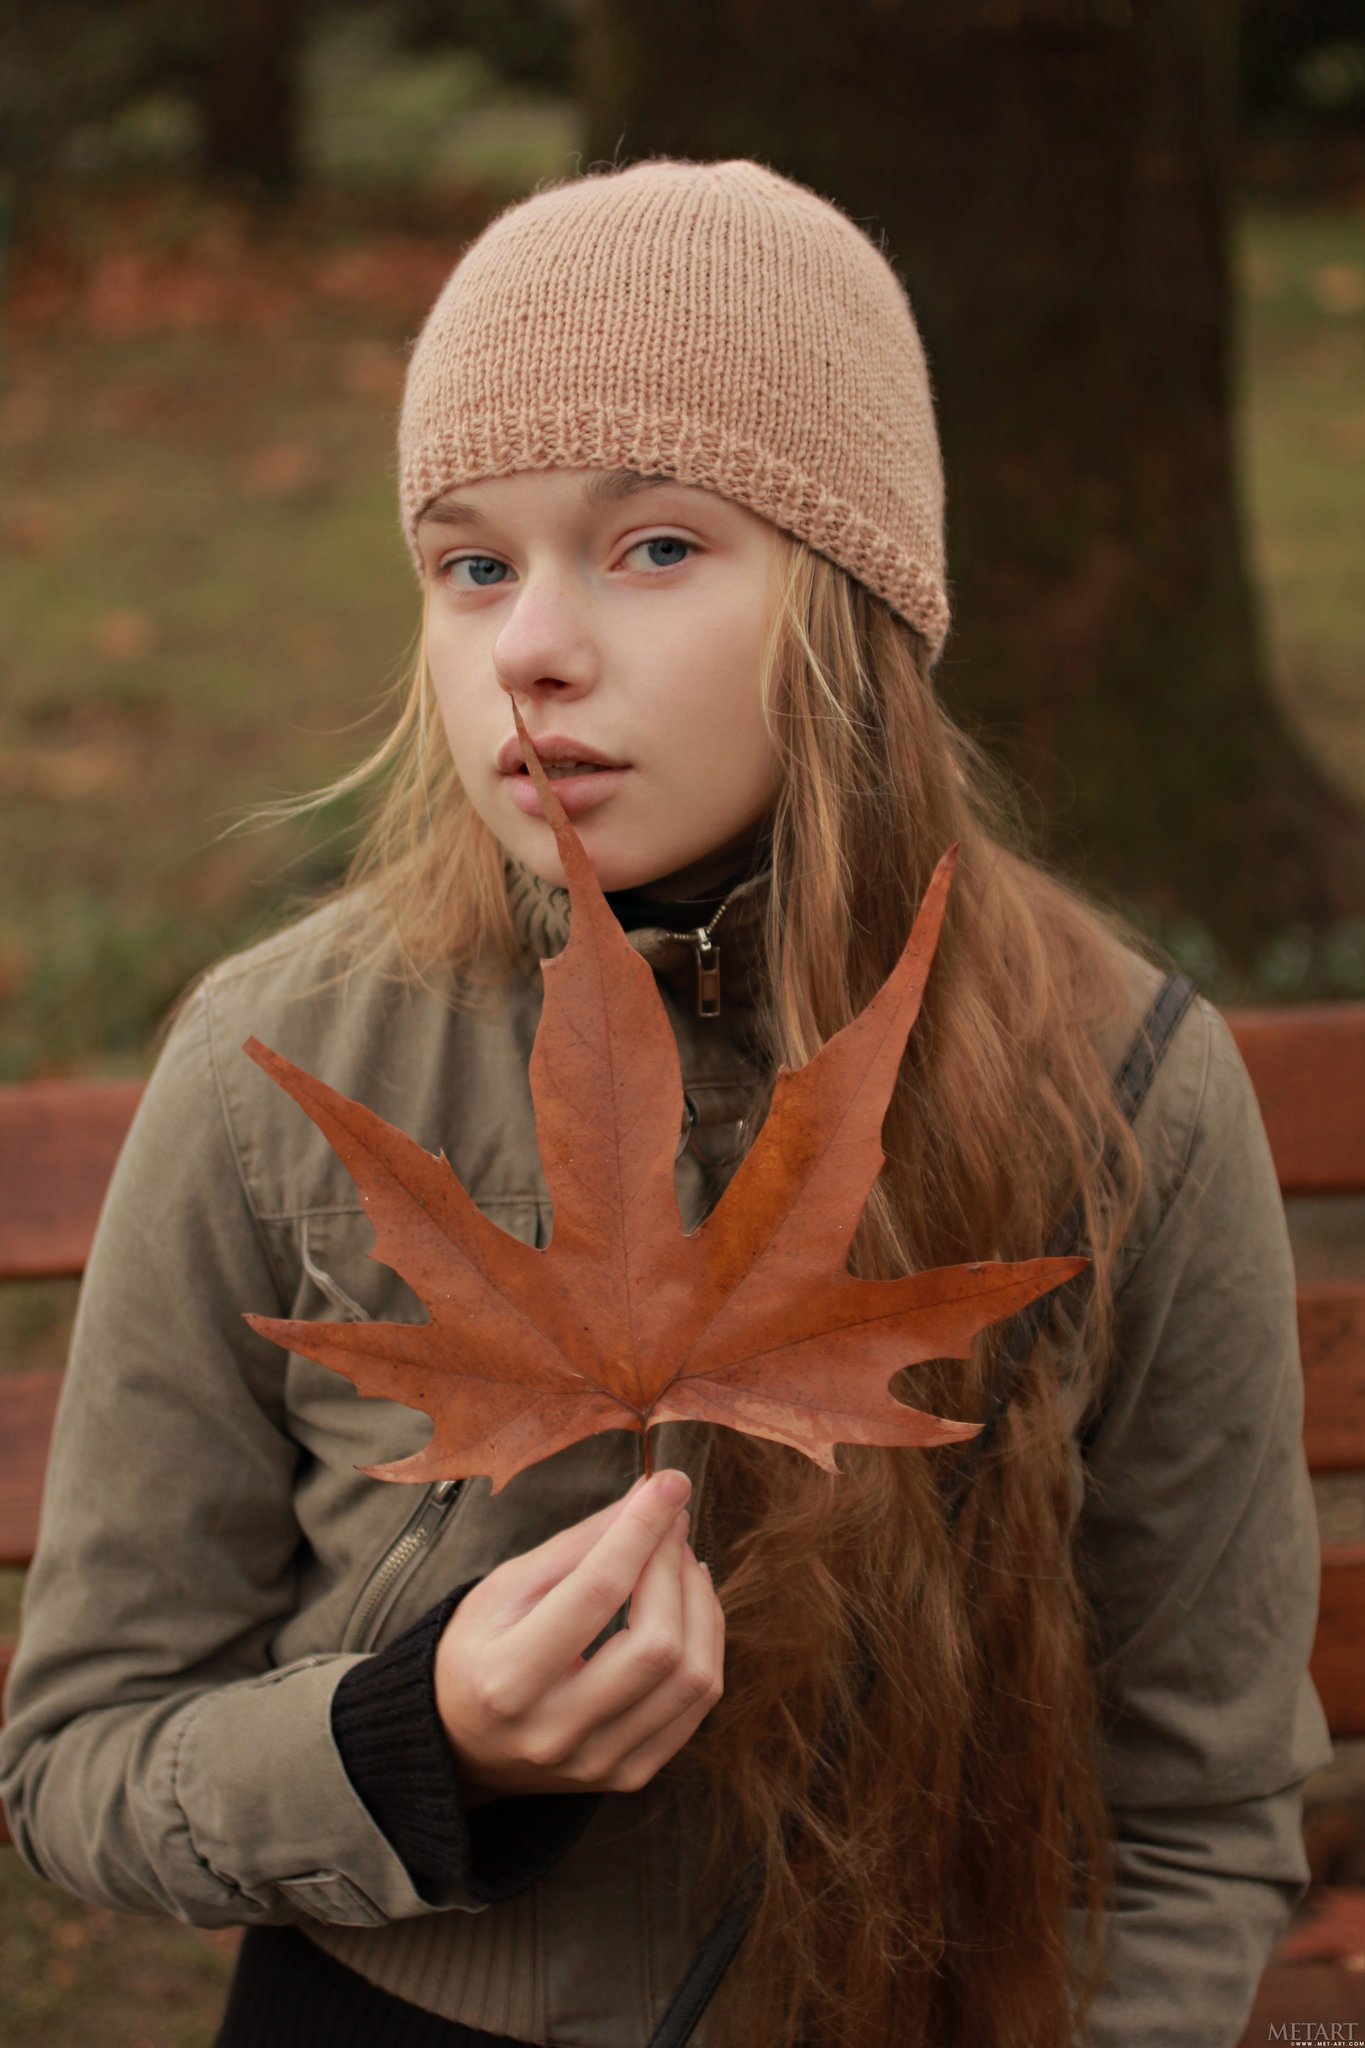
[(66, 774), (29, 529), (1338, 288), (280, 471), (122, 635)]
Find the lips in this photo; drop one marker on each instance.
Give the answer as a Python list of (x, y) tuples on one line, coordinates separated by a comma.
[(556, 750)]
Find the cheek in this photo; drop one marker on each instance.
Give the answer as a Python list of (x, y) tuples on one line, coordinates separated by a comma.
[(729, 723), (453, 725), (456, 703)]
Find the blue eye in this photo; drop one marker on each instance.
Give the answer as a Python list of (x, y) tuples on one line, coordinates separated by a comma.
[(666, 541), (475, 564)]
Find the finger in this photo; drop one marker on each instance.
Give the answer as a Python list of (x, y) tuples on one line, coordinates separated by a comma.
[(561, 1720), (642, 1740), (531, 1576), (649, 1646), (594, 1692), (566, 1620), (623, 1696)]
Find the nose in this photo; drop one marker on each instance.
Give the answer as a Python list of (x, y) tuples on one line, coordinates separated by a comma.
[(545, 646)]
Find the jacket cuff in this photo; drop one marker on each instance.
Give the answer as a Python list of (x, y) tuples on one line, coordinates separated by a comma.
[(398, 1757)]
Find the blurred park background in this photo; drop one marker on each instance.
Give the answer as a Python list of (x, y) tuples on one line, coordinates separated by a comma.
[(1134, 236)]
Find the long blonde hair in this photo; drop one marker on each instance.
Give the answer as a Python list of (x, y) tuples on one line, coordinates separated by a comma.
[(928, 1892)]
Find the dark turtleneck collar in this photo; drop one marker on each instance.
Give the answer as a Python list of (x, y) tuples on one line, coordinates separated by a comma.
[(635, 910)]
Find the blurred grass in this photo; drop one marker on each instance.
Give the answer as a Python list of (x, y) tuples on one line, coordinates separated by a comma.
[(430, 121), (1302, 297), (203, 584), (204, 590), (73, 1975), (1300, 280)]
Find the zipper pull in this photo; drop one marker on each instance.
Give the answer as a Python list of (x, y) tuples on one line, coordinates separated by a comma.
[(708, 975), (708, 962)]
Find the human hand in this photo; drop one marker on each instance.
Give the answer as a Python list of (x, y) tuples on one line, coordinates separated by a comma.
[(525, 1711)]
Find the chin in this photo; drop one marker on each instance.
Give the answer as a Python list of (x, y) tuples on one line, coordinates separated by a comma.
[(613, 868)]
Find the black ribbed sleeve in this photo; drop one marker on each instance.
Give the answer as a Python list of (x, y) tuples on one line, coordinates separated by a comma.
[(397, 1756)]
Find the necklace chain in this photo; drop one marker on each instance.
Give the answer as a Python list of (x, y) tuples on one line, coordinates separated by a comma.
[(701, 935)]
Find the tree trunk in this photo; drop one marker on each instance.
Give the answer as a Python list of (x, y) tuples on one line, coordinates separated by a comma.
[(1053, 182), (252, 103)]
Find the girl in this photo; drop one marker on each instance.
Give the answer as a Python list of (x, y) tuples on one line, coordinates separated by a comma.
[(1013, 1741)]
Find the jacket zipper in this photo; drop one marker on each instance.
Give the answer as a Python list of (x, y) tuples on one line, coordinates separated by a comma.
[(381, 1589), (708, 962), (397, 1564)]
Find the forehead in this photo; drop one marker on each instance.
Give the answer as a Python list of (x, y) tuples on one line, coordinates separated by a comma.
[(593, 487)]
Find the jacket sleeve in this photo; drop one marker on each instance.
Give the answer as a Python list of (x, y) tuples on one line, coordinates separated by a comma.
[(153, 1758), (1198, 1547), (394, 1747)]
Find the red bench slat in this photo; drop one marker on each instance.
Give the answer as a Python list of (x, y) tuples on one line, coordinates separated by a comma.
[(1331, 1331), (6, 1654), (58, 1144), (1308, 1069), (59, 1139), (1332, 1340), (1305, 2001), (28, 1402), (1340, 1642)]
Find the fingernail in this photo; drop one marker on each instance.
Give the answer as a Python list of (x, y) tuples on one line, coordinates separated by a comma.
[(681, 1527), (674, 1488)]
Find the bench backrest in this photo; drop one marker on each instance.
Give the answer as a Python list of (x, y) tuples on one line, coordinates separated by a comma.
[(59, 1140)]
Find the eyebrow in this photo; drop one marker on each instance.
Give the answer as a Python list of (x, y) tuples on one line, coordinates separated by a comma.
[(597, 490)]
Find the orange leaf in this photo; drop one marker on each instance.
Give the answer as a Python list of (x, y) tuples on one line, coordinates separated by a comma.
[(624, 1321)]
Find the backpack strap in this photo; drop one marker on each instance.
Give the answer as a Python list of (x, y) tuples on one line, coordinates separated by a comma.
[(1131, 1085)]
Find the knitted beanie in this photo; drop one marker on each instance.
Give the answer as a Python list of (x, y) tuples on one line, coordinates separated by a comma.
[(711, 322)]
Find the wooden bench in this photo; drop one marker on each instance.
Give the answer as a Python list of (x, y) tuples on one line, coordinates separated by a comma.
[(59, 1140)]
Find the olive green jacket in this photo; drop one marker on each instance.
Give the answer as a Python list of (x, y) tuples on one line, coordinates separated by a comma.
[(211, 1562)]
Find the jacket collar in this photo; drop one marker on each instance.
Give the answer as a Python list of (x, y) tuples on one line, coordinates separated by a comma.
[(541, 914)]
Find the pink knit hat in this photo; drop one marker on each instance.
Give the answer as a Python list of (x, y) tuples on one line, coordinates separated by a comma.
[(712, 322)]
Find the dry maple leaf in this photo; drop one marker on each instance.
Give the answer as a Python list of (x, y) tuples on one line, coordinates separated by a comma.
[(623, 1321)]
